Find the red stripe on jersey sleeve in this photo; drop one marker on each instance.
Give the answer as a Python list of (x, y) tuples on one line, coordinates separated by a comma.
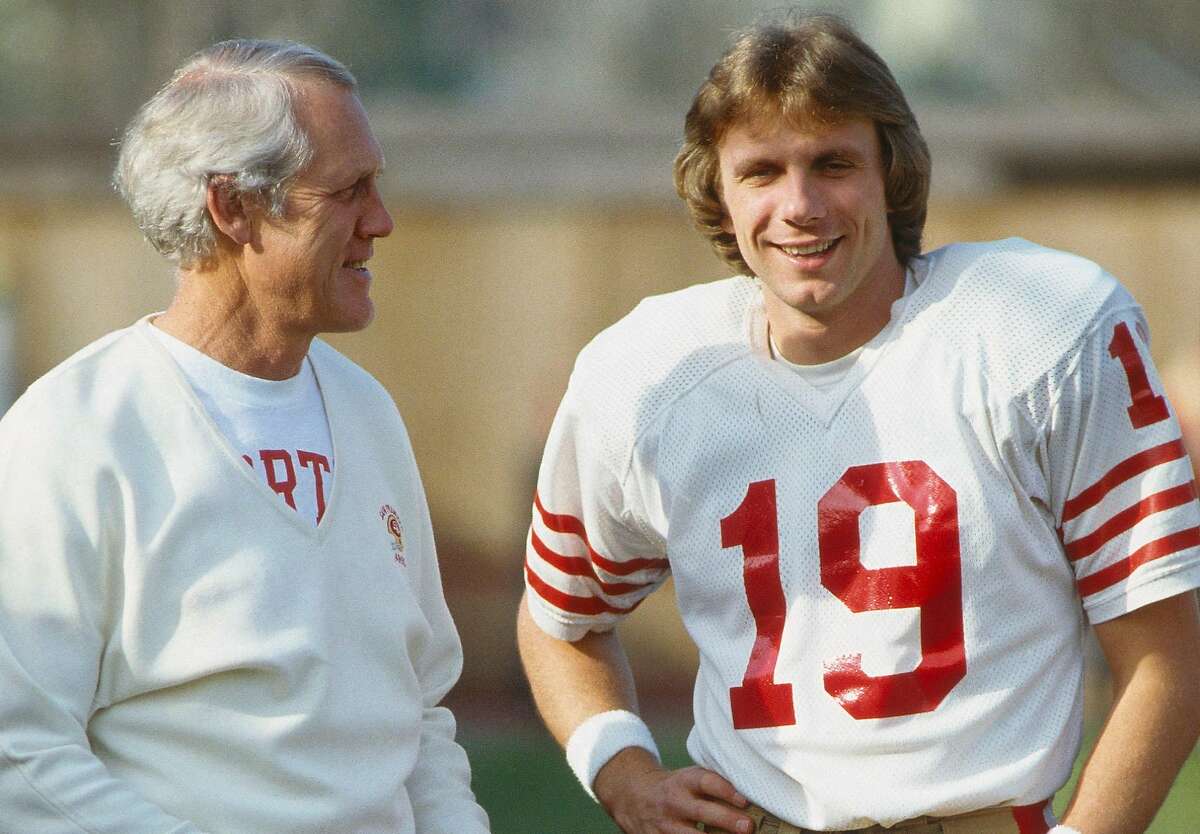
[(570, 524), (569, 603), (1031, 819), (1129, 517), (1119, 474), (579, 566), (1156, 549)]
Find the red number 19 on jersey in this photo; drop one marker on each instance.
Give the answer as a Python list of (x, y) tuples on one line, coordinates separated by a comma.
[(933, 585)]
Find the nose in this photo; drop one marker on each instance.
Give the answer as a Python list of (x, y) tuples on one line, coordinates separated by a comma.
[(802, 202), (376, 220)]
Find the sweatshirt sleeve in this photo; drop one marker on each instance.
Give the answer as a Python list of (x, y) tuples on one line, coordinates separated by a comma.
[(439, 786), (59, 589)]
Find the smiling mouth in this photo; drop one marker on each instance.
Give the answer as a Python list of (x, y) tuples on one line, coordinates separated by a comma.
[(357, 266), (816, 248)]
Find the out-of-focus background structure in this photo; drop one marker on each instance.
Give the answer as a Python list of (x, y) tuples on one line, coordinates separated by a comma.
[(529, 147)]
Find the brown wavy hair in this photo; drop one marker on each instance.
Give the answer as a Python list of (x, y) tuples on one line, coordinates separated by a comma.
[(808, 69)]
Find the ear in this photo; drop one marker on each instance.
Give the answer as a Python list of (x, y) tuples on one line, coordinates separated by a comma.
[(228, 210), (726, 220), (719, 193)]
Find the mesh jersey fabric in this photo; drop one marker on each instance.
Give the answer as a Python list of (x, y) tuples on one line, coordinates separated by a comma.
[(887, 579)]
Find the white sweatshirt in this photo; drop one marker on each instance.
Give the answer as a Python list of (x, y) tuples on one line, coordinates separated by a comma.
[(182, 652)]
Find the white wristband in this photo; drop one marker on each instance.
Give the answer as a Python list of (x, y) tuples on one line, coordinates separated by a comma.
[(1064, 829), (603, 736)]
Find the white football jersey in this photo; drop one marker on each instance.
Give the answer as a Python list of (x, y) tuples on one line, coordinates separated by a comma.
[(887, 578)]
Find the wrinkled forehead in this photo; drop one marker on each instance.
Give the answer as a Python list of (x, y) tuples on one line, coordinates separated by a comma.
[(336, 122)]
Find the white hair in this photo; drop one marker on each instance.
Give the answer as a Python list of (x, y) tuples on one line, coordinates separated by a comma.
[(228, 113)]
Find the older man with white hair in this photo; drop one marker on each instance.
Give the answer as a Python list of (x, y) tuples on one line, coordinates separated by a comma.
[(220, 606)]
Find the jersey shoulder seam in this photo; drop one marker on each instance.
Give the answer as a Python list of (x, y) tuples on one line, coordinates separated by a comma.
[(1076, 358), (660, 412)]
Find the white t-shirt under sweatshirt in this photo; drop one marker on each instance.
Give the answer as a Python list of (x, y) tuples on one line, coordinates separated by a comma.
[(279, 426)]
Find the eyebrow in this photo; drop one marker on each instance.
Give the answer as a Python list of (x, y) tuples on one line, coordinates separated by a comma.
[(850, 153), (351, 178), (741, 167)]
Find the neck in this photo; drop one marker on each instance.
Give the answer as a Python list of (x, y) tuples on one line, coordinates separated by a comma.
[(813, 338), (213, 312)]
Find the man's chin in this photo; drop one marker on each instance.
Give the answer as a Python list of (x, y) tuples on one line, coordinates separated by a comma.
[(806, 295), (351, 320)]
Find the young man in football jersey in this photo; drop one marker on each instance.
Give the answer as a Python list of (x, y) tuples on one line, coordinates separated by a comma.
[(892, 489), (220, 607)]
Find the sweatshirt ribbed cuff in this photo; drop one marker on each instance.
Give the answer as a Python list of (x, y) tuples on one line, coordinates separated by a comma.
[(603, 736)]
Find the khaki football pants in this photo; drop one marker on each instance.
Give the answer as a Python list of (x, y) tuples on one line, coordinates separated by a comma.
[(987, 821)]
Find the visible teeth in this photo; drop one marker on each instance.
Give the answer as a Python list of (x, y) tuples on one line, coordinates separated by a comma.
[(811, 249), (356, 264)]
